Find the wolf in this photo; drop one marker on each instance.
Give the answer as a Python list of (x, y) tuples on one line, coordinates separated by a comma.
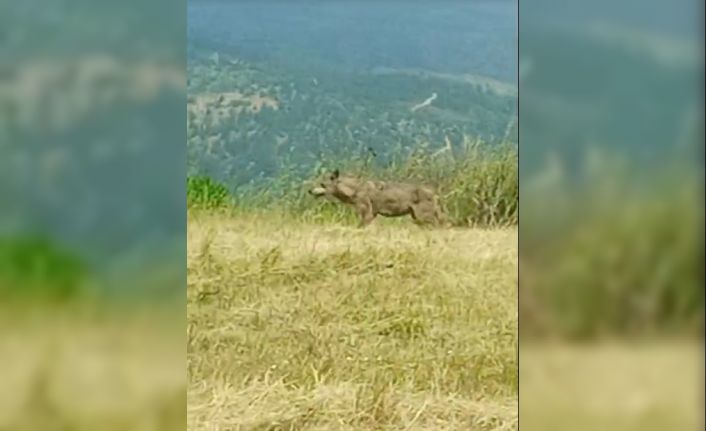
[(388, 199)]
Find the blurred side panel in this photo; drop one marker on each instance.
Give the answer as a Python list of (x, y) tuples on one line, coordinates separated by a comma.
[(611, 221), (92, 219)]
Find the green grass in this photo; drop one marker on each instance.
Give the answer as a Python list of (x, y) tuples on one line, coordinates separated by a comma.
[(204, 192), (301, 325), (36, 268)]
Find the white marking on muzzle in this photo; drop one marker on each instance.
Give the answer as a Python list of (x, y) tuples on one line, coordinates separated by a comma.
[(318, 191)]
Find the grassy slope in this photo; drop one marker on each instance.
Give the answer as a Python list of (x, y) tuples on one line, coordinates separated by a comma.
[(611, 386), (331, 327), (69, 369)]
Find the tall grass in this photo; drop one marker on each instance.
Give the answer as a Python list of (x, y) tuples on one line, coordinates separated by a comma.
[(617, 255), (477, 183), (206, 193)]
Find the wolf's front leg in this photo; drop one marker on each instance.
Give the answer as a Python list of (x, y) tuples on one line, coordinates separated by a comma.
[(365, 211)]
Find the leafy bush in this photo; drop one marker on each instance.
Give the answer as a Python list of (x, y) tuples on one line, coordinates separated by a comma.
[(204, 192), (34, 267)]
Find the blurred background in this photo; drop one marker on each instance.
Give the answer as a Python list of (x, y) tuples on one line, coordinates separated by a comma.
[(92, 226), (611, 240)]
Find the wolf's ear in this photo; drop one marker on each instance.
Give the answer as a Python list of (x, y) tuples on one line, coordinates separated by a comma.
[(336, 174)]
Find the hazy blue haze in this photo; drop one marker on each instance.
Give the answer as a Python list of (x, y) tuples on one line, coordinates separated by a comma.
[(476, 37)]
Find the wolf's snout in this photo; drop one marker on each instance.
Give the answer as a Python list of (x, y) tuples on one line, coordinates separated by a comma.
[(317, 191)]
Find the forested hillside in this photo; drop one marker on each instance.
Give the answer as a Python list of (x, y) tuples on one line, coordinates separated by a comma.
[(248, 120)]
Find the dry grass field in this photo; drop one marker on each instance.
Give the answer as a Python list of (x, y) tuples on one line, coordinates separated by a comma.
[(646, 385), (77, 369), (296, 326)]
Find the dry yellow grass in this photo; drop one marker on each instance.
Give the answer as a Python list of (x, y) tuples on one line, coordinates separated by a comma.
[(653, 385), (324, 327), (62, 370)]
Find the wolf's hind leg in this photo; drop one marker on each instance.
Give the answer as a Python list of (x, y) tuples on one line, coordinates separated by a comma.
[(422, 214)]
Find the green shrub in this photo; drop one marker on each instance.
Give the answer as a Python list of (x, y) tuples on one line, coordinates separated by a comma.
[(204, 192), (34, 267)]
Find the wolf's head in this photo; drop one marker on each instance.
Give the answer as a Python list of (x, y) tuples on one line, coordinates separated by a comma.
[(333, 184)]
